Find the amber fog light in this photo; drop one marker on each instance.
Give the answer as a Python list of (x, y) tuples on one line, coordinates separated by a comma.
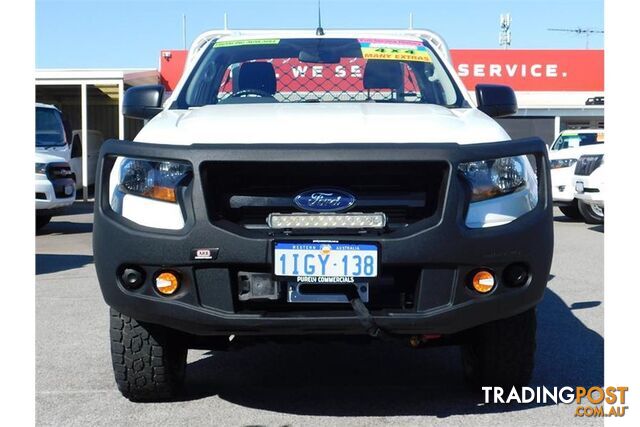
[(167, 283), (483, 281)]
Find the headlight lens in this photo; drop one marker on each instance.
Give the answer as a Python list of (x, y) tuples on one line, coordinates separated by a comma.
[(41, 168), (495, 177), (157, 180), (562, 163)]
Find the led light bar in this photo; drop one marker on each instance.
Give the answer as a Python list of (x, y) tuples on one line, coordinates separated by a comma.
[(326, 220)]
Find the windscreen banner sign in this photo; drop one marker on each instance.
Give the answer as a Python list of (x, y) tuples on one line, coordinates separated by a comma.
[(532, 70)]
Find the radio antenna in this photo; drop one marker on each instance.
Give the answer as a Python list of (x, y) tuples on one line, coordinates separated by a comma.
[(319, 30), (579, 31)]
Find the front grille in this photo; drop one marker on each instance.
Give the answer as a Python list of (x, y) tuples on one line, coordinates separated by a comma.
[(59, 171), (60, 176), (587, 164), (245, 193)]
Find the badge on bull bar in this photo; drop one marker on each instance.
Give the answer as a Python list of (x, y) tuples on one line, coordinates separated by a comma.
[(204, 253)]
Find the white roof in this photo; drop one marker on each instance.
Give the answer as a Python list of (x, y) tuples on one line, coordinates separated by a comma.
[(433, 38), (41, 105)]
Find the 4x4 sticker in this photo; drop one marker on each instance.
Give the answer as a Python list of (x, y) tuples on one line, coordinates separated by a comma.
[(252, 42), (394, 50)]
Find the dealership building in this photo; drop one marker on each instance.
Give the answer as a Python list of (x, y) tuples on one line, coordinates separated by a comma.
[(555, 89)]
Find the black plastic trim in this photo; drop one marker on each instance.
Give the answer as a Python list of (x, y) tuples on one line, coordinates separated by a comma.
[(446, 246)]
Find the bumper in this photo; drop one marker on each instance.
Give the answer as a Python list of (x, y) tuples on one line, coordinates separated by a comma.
[(441, 250), (46, 197), (562, 188), (589, 189)]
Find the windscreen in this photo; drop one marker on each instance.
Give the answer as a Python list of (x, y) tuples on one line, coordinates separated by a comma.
[(578, 139), (49, 128), (319, 70)]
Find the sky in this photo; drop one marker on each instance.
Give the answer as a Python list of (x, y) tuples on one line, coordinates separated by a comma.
[(131, 34)]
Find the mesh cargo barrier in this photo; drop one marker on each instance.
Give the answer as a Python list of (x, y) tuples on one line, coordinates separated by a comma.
[(307, 82)]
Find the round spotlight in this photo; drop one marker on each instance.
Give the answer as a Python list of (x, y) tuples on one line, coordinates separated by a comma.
[(483, 281), (516, 275), (132, 278), (167, 283)]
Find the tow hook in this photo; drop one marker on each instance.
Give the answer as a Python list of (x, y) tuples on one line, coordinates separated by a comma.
[(417, 341), (365, 317)]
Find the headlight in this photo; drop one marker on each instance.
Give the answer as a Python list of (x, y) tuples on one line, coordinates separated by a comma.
[(502, 190), (41, 168), (562, 163), (146, 191), (495, 177), (157, 180)]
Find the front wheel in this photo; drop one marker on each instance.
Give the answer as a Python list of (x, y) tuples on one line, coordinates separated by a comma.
[(592, 214), (149, 361), (502, 352)]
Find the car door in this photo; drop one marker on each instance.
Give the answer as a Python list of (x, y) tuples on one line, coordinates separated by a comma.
[(76, 159)]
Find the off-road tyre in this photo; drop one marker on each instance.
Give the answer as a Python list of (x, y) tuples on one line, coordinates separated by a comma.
[(149, 361), (501, 353)]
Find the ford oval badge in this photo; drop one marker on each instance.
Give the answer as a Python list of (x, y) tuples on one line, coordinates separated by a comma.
[(324, 200)]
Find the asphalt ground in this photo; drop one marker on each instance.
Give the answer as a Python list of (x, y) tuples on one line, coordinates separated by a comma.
[(309, 383)]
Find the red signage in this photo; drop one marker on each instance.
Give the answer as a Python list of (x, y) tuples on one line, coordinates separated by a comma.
[(532, 70), (171, 67), (523, 70)]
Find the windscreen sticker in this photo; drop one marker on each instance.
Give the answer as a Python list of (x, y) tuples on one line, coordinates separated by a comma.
[(600, 137), (253, 42), (394, 50)]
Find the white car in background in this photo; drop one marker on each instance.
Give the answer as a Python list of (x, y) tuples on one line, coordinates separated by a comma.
[(588, 182), (55, 187), (51, 137), (563, 155)]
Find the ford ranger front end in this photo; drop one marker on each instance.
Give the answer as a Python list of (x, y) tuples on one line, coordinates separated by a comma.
[(337, 185)]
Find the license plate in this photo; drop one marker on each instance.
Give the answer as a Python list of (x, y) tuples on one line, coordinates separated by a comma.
[(326, 260), (580, 187)]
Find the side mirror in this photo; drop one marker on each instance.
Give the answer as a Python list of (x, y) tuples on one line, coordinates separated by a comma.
[(142, 102), (496, 100)]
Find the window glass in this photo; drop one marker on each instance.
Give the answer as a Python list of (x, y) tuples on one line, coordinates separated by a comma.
[(49, 128), (319, 70)]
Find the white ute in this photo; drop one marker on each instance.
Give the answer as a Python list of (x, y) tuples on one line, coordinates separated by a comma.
[(54, 180), (307, 183), (295, 109), (563, 155)]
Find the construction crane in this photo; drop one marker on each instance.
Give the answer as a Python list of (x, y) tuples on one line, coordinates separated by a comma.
[(579, 31)]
